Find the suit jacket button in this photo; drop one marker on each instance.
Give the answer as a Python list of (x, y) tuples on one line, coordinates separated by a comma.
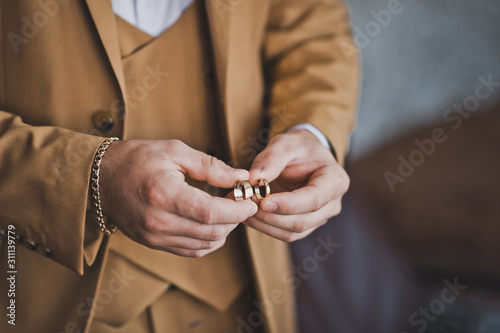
[(103, 121), (3, 234), (47, 253), (30, 244), (19, 238)]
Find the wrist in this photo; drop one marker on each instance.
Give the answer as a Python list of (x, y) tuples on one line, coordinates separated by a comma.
[(95, 187), (305, 135), (313, 130)]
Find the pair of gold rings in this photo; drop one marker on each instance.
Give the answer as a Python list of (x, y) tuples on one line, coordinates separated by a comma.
[(243, 190)]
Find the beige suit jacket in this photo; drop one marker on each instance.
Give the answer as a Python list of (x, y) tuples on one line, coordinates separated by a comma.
[(278, 62)]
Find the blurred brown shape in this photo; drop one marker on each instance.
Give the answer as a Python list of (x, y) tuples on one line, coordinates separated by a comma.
[(445, 216)]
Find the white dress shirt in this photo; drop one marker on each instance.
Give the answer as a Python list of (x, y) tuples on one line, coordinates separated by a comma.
[(151, 16), (155, 16)]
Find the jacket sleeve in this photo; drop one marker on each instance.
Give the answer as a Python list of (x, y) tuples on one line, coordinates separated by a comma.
[(44, 181), (313, 69)]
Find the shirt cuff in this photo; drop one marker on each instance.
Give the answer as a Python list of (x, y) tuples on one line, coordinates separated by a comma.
[(314, 131)]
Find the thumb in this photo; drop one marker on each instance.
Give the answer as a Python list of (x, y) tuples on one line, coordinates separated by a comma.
[(271, 162), (215, 172)]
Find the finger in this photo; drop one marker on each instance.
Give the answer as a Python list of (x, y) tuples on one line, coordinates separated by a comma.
[(325, 184), (191, 253), (160, 241), (301, 222), (277, 233), (197, 205), (272, 160), (203, 167), (166, 225), (173, 195)]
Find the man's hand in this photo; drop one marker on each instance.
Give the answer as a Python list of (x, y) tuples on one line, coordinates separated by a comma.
[(307, 186), (144, 193)]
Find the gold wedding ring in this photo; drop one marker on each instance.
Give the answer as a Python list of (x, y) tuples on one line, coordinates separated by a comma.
[(243, 190), (262, 189)]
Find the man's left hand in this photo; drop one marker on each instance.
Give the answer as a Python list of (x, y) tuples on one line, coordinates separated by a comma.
[(307, 186)]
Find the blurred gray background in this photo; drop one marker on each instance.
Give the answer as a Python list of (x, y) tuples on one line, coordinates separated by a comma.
[(396, 248), (428, 57)]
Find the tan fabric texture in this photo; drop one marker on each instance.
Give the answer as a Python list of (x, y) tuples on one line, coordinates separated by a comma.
[(57, 73)]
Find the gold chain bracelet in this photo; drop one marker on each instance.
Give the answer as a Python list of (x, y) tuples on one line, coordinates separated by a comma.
[(96, 195)]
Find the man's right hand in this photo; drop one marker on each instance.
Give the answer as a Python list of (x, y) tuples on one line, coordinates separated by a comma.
[(144, 192)]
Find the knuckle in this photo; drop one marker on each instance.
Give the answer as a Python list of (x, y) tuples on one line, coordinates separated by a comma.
[(146, 239), (300, 236), (209, 216), (148, 224), (216, 234), (152, 194), (176, 148), (210, 161), (290, 237), (265, 217), (345, 182), (176, 144), (157, 225), (196, 253), (299, 227), (285, 207), (316, 203), (206, 245), (265, 158), (337, 208), (220, 244)]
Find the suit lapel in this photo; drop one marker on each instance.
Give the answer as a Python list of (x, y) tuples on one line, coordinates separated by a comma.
[(103, 16)]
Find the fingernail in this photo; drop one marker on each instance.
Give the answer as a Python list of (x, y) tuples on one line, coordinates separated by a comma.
[(270, 206)]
